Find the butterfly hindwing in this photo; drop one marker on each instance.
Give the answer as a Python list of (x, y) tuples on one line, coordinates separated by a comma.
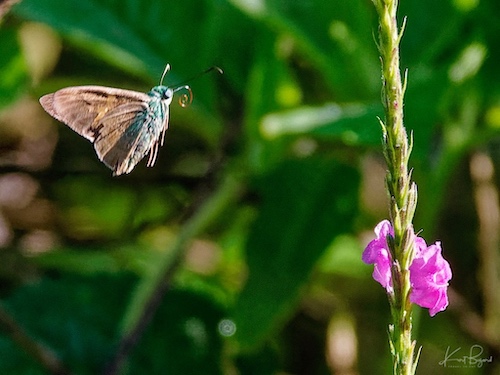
[(138, 134)]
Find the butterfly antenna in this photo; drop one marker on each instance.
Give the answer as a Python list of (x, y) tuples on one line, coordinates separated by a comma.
[(187, 98), (167, 68), (212, 68)]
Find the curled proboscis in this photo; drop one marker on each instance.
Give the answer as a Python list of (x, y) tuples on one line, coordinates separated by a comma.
[(186, 97)]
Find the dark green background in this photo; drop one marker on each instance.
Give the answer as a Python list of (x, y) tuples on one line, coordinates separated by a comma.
[(292, 122)]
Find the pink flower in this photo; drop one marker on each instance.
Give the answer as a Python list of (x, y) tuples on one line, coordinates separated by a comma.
[(377, 252), (429, 271), (429, 276)]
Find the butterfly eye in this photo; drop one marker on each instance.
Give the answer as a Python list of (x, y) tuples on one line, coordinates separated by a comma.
[(167, 94)]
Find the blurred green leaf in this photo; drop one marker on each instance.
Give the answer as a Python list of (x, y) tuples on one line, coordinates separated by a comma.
[(232, 39), (343, 257), (78, 261), (268, 75), (183, 337), (425, 88), (94, 208), (334, 35), (125, 33), (354, 124), (436, 31), (77, 317), (13, 72), (265, 361), (306, 204)]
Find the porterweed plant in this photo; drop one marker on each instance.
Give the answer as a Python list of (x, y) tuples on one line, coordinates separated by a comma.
[(409, 270)]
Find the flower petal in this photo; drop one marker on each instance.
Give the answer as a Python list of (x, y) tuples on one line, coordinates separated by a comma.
[(377, 253), (429, 277)]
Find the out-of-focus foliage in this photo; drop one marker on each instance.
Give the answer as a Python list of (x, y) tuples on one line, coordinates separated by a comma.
[(281, 154)]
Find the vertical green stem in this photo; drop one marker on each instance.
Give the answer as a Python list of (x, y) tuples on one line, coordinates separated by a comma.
[(402, 191)]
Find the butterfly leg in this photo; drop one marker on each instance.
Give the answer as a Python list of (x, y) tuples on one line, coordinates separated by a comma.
[(153, 153)]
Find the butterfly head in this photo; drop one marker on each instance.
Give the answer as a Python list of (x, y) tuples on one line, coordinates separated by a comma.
[(163, 93)]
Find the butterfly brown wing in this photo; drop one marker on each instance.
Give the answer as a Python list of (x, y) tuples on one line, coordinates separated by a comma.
[(83, 107), (110, 118)]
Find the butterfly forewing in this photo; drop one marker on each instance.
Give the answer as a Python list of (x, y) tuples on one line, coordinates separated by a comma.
[(82, 107)]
